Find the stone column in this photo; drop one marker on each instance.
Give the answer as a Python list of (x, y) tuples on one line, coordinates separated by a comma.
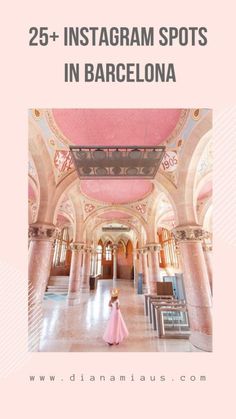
[(139, 265), (146, 285), (114, 252), (86, 270), (135, 265), (40, 258), (196, 283), (207, 251), (154, 276), (75, 270), (94, 255), (139, 262)]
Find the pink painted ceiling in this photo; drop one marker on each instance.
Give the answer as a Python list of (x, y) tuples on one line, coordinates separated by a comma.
[(116, 191), (116, 126), (206, 190), (114, 215)]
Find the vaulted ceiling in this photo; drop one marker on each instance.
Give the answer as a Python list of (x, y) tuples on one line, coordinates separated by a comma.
[(125, 127), (113, 127), (117, 126)]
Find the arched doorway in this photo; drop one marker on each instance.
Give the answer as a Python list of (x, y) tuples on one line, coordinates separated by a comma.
[(107, 261), (125, 269)]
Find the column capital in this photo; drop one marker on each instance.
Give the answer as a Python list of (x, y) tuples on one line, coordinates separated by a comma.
[(189, 233), (77, 247), (42, 231), (153, 247)]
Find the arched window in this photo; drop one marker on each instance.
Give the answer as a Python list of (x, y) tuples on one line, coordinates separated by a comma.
[(99, 260), (168, 255), (61, 246), (108, 252)]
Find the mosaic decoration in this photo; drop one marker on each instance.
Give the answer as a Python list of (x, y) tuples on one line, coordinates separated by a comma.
[(141, 208), (63, 160), (88, 208)]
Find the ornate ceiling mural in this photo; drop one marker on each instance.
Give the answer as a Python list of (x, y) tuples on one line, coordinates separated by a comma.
[(66, 209), (170, 163), (57, 150), (149, 127)]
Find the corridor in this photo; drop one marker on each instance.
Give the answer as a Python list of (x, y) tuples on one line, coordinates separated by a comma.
[(79, 326)]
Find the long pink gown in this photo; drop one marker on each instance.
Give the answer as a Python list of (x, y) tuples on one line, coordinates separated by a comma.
[(116, 329)]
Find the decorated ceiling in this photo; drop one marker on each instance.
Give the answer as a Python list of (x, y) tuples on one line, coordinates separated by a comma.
[(117, 126), (63, 127)]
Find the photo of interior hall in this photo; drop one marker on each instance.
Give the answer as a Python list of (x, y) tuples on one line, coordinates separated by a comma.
[(120, 198)]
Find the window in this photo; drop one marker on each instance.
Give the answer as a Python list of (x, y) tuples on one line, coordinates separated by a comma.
[(61, 246), (99, 260), (168, 254), (108, 253)]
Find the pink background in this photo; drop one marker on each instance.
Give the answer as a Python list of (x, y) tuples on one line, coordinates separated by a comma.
[(33, 77)]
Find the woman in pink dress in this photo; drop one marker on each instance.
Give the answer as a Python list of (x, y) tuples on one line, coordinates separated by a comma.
[(116, 329)]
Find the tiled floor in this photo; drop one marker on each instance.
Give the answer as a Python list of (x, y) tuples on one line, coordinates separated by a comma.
[(79, 326)]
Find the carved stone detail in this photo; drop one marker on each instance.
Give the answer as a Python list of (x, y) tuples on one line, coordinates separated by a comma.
[(143, 250), (189, 233), (77, 247), (153, 247), (42, 231)]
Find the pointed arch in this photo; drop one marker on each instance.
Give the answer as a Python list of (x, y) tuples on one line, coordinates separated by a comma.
[(192, 152)]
